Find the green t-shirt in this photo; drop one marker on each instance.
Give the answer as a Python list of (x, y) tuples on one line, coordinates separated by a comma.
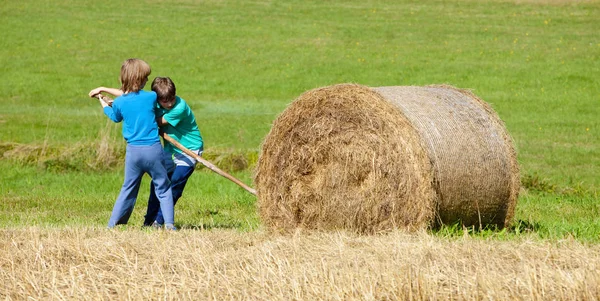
[(182, 126)]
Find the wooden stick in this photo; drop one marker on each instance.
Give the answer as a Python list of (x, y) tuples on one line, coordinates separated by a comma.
[(207, 163)]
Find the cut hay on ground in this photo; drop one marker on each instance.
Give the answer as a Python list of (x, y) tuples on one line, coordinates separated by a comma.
[(374, 159), (97, 264)]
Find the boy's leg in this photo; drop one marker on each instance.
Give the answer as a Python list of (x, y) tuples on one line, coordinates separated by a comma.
[(162, 184), (153, 202), (178, 180), (131, 185), (153, 207)]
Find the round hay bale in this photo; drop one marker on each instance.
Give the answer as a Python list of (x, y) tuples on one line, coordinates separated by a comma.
[(374, 159)]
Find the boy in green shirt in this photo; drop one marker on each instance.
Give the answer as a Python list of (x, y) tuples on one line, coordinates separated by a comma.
[(176, 119)]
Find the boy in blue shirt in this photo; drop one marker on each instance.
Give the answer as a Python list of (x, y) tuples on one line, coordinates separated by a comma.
[(176, 119), (135, 107)]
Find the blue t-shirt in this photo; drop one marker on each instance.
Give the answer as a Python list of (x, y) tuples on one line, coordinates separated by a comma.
[(136, 110)]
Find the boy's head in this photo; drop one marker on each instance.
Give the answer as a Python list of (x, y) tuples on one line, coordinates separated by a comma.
[(165, 92), (134, 75)]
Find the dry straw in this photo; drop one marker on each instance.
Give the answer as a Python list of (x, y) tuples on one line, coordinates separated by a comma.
[(374, 159), (77, 263)]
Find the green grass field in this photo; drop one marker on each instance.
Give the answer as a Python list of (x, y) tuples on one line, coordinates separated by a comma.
[(239, 63)]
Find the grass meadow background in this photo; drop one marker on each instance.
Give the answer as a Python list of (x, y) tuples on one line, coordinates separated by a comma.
[(239, 64)]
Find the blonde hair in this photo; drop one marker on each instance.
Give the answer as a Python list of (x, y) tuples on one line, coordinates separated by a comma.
[(134, 75)]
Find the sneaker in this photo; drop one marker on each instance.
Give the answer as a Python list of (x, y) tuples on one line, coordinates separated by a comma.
[(170, 227), (156, 225)]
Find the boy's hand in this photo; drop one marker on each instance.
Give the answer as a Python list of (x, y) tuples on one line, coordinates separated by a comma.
[(105, 101), (111, 91), (95, 92)]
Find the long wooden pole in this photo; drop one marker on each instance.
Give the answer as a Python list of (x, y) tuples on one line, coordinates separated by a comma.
[(207, 163)]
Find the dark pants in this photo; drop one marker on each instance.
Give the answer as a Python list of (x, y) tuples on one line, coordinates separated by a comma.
[(179, 178)]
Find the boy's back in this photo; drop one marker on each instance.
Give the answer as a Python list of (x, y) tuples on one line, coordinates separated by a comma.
[(136, 110)]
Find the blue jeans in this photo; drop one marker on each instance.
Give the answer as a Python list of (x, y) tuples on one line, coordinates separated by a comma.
[(140, 160), (179, 178)]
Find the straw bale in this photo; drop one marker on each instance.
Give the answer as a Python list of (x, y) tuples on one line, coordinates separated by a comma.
[(374, 159)]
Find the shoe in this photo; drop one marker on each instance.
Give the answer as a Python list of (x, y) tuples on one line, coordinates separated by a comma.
[(170, 227), (156, 225)]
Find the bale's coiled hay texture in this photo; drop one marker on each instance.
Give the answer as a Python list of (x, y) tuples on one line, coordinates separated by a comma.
[(374, 159)]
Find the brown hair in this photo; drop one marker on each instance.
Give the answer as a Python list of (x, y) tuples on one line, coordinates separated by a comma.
[(134, 74), (164, 88)]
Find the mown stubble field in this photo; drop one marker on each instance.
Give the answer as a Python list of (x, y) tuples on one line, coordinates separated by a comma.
[(95, 264)]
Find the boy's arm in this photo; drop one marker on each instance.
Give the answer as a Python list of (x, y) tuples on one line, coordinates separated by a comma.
[(112, 91), (172, 117), (161, 121), (104, 102), (112, 113)]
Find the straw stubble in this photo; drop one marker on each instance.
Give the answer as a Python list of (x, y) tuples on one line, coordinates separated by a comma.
[(97, 264)]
